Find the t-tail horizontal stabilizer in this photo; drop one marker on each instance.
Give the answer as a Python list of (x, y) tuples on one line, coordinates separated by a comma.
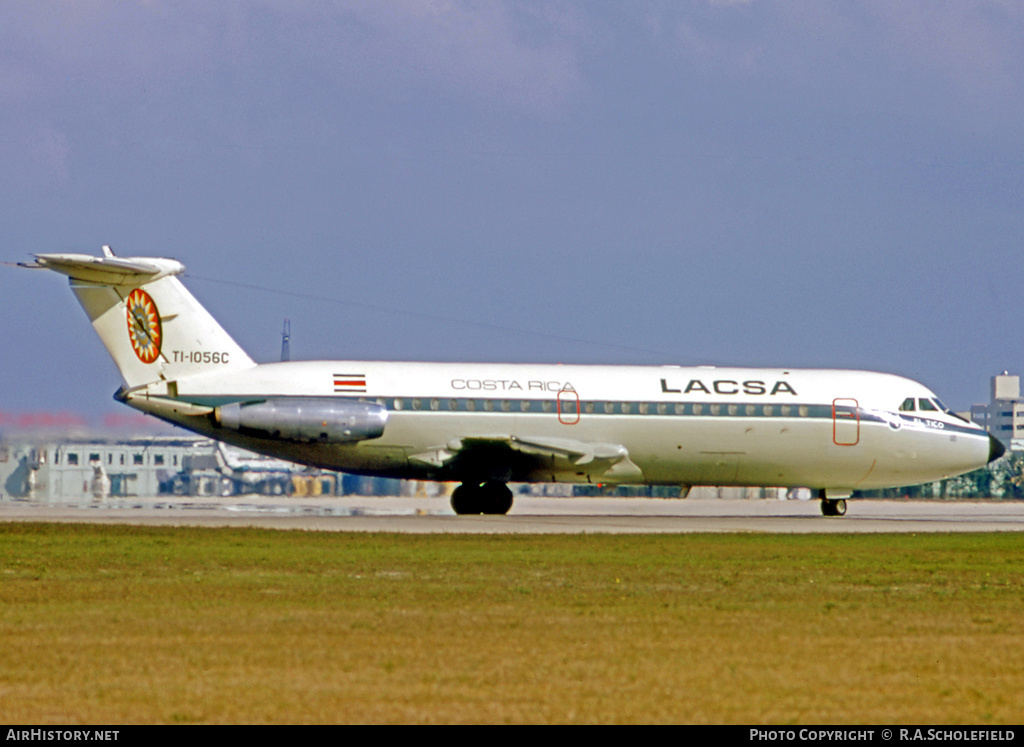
[(151, 325)]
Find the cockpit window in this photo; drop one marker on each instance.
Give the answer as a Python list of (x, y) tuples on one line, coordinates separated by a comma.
[(926, 404)]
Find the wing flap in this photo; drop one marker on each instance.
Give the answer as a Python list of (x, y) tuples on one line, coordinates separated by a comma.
[(562, 457)]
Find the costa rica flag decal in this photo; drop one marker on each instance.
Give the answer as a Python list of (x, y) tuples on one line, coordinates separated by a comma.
[(144, 328), (344, 382)]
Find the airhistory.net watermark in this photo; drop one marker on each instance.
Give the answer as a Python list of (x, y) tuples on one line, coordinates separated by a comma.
[(61, 735)]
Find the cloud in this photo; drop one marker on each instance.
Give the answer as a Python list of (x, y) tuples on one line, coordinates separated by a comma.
[(499, 52), (492, 51), (974, 47), (956, 62)]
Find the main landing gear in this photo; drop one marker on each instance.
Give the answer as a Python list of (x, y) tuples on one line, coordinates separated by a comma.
[(491, 497)]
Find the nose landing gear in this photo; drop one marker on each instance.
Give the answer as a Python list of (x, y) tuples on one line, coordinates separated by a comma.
[(833, 508), (833, 501)]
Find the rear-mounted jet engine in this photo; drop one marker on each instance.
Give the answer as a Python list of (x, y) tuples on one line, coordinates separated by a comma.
[(321, 419)]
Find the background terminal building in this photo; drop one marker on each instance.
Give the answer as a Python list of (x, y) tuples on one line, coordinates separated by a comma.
[(1003, 416)]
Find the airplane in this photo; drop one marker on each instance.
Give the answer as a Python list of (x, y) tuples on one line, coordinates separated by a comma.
[(484, 425)]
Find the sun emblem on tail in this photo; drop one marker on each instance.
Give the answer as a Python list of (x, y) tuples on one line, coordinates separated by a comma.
[(144, 329)]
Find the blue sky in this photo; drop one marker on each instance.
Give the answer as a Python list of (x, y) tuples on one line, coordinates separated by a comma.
[(790, 183)]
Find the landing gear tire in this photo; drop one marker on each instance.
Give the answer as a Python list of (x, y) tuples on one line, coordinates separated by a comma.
[(498, 498), (492, 498), (833, 508), (463, 500)]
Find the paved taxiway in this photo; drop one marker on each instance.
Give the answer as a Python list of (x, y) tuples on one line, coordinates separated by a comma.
[(531, 515)]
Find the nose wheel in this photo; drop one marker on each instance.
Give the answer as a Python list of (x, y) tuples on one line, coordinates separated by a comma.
[(833, 508), (492, 497)]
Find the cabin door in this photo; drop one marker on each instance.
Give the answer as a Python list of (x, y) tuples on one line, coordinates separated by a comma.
[(568, 407), (845, 422)]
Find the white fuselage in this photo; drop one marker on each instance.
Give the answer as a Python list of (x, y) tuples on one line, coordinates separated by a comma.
[(487, 424), (825, 429)]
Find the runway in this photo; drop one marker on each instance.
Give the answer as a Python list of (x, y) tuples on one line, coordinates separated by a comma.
[(530, 515)]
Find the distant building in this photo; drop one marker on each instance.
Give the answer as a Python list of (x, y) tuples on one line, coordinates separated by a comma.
[(1003, 416), (91, 468), (97, 468)]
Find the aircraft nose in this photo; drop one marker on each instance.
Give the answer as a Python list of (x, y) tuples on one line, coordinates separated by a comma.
[(995, 448)]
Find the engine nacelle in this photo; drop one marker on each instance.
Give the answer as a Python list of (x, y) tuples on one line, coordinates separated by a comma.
[(322, 419)]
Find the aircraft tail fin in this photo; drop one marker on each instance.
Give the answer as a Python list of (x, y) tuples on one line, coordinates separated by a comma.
[(151, 325)]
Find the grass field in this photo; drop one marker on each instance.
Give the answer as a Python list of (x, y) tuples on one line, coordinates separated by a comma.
[(143, 625)]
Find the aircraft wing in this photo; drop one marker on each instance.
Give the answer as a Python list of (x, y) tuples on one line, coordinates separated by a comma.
[(607, 462)]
